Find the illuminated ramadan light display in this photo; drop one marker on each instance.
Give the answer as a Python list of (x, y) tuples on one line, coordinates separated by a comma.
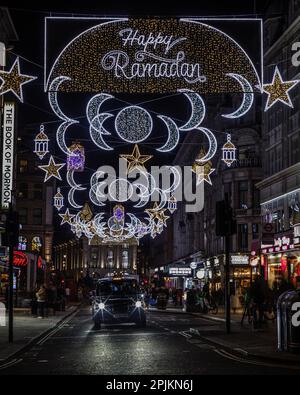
[(189, 58)]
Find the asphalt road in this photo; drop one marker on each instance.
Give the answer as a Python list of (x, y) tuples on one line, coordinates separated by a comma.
[(163, 347)]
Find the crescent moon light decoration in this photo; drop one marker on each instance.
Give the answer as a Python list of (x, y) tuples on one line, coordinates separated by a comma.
[(53, 100), (96, 120), (173, 137), (213, 145), (74, 187), (198, 110), (248, 97)]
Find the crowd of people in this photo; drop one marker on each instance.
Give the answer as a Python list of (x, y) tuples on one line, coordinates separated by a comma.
[(45, 298)]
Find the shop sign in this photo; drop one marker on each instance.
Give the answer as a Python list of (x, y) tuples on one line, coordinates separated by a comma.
[(254, 260), (280, 244), (239, 259), (20, 259), (268, 231), (193, 265), (8, 153), (200, 274), (180, 271), (297, 234)]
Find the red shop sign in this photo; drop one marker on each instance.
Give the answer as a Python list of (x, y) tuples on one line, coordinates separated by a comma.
[(39, 262), (20, 259)]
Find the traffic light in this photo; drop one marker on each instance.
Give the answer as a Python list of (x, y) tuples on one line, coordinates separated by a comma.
[(225, 223)]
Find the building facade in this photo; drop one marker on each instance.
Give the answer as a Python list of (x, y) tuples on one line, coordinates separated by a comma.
[(76, 258), (280, 188)]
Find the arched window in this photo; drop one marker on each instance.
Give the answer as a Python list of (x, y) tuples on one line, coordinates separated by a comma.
[(124, 259), (110, 258)]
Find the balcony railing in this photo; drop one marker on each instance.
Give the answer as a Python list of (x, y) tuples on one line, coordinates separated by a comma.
[(247, 162)]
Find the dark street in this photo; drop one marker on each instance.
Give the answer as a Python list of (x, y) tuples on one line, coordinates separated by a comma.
[(164, 347)]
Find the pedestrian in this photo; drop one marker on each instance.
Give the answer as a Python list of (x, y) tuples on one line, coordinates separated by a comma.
[(258, 297), (51, 297), (80, 294), (67, 293), (179, 294), (61, 298), (34, 303), (41, 300)]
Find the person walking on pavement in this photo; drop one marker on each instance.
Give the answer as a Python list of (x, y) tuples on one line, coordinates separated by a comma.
[(34, 303), (258, 296), (67, 293), (41, 300)]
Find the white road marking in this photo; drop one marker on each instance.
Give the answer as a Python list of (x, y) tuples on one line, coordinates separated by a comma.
[(227, 355), (11, 363)]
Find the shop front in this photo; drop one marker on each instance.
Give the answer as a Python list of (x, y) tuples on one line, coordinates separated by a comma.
[(28, 269), (281, 261), (178, 276), (242, 272)]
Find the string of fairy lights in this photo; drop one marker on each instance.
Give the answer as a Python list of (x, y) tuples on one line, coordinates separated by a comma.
[(124, 60)]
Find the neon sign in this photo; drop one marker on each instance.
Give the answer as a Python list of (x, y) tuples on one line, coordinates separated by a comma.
[(20, 259)]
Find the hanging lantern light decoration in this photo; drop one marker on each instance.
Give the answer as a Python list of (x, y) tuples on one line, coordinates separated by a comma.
[(76, 160), (41, 143), (229, 152), (58, 200), (172, 204)]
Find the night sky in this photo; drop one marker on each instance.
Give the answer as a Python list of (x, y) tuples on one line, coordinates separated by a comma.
[(29, 24)]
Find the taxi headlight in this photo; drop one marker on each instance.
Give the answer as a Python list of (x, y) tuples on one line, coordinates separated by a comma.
[(100, 306), (138, 304)]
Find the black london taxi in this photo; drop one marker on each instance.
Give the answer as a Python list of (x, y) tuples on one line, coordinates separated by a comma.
[(118, 300)]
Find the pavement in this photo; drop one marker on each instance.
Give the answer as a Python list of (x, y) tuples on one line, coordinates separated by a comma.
[(28, 330), (242, 341), (164, 347)]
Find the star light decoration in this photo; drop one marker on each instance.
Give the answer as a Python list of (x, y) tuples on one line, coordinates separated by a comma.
[(52, 169), (136, 160), (278, 90), (66, 217), (13, 80), (202, 170), (86, 213), (158, 214)]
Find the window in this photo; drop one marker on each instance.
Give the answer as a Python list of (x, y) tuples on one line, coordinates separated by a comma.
[(278, 219), (38, 191), (255, 196), (243, 237), (275, 160), (295, 149), (110, 259), (23, 216), (23, 166), (243, 194), (227, 189), (37, 216), (255, 231), (23, 191), (94, 256), (125, 259)]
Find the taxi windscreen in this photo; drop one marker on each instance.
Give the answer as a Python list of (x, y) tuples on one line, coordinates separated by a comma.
[(117, 287)]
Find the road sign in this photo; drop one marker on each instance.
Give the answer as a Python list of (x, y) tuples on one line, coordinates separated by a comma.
[(268, 231)]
